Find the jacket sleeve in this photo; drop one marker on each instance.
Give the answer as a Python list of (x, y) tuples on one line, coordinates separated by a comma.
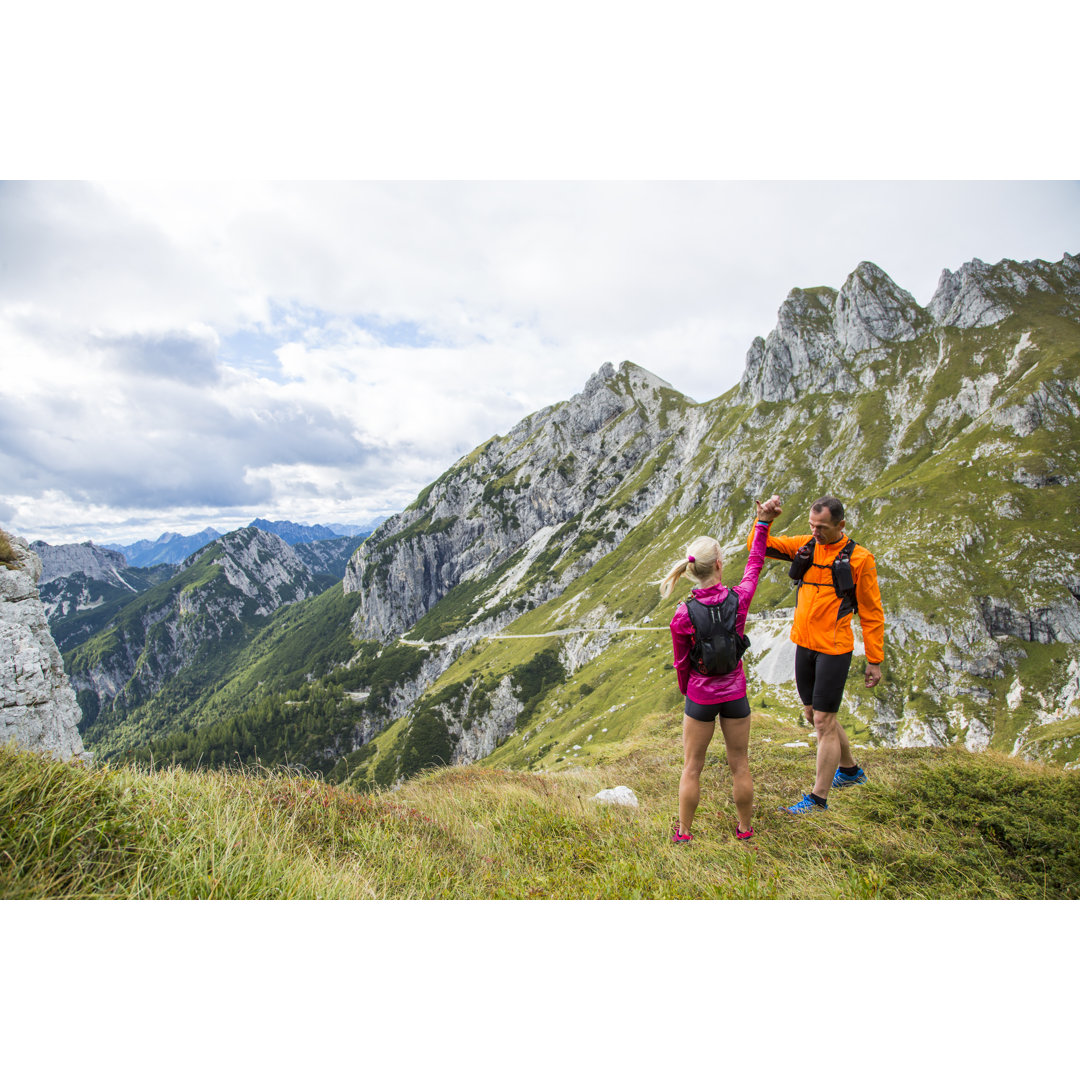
[(680, 644), (748, 586), (777, 547), (871, 613)]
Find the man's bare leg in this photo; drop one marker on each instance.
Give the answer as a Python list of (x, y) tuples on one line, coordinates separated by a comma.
[(833, 750)]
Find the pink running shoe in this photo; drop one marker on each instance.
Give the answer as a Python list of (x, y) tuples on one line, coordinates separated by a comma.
[(744, 835), (681, 838)]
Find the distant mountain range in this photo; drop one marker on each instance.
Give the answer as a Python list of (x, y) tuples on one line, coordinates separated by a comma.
[(84, 586), (172, 547)]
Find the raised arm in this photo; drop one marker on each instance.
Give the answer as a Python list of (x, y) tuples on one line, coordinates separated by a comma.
[(766, 513), (776, 547)]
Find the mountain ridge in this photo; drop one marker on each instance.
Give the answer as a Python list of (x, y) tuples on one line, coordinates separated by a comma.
[(174, 548), (137, 672)]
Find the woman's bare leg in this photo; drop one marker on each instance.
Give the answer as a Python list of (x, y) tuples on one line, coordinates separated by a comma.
[(737, 744), (696, 736)]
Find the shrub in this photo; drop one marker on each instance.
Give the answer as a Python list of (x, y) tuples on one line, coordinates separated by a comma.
[(8, 555)]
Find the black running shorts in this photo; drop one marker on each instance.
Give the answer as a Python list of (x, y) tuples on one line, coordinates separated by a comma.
[(820, 678), (729, 710)]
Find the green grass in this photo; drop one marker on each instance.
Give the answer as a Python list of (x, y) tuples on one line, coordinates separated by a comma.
[(929, 824), (8, 556)]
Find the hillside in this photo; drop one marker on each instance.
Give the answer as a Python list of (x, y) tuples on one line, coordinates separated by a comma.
[(930, 824), (511, 612), (165, 651), (83, 587)]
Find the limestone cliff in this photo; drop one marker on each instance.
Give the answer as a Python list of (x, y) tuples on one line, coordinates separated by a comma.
[(38, 709)]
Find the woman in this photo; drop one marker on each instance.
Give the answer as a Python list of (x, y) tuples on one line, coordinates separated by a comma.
[(711, 696)]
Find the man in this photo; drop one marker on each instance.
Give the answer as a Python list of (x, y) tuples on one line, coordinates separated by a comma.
[(823, 636)]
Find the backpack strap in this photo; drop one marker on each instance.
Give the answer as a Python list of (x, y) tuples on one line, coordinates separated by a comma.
[(704, 618), (801, 561), (703, 615), (843, 580), (729, 610)]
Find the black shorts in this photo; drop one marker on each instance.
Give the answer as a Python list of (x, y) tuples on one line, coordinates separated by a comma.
[(729, 710), (820, 678)]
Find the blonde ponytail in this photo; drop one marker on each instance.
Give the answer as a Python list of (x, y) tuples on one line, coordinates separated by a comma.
[(702, 555)]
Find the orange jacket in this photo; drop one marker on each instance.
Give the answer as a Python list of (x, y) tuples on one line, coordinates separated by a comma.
[(816, 625)]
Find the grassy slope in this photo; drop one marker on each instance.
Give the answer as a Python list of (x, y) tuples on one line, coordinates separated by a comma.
[(930, 824)]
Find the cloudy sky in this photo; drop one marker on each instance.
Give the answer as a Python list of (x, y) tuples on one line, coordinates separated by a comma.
[(183, 354)]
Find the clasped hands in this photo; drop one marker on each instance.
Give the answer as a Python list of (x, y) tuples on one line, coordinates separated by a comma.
[(769, 510)]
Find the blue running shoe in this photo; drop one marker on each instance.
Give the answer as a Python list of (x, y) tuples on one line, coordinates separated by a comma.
[(843, 780), (805, 805)]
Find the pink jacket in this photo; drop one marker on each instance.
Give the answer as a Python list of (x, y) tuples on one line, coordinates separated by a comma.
[(712, 689)]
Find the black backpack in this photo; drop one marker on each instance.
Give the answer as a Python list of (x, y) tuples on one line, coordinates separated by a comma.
[(843, 581), (715, 648)]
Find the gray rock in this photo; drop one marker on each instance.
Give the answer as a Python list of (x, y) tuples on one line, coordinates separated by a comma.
[(871, 309), (616, 796), (38, 710), (96, 563), (823, 338), (980, 294)]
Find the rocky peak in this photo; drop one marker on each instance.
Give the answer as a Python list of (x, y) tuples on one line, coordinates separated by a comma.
[(822, 337), (61, 560), (981, 294), (260, 565), (607, 393), (871, 309), (598, 381), (965, 299), (510, 495)]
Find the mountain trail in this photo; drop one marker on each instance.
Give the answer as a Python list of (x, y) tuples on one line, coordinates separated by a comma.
[(550, 633)]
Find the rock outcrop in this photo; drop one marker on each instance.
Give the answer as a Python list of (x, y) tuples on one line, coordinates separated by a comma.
[(83, 586), (93, 562), (823, 337), (38, 709), (981, 294)]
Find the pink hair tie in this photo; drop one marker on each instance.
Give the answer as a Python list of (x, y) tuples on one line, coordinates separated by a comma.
[(689, 558)]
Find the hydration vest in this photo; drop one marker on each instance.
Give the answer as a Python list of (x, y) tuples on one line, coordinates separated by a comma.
[(715, 647), (843, 580)]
